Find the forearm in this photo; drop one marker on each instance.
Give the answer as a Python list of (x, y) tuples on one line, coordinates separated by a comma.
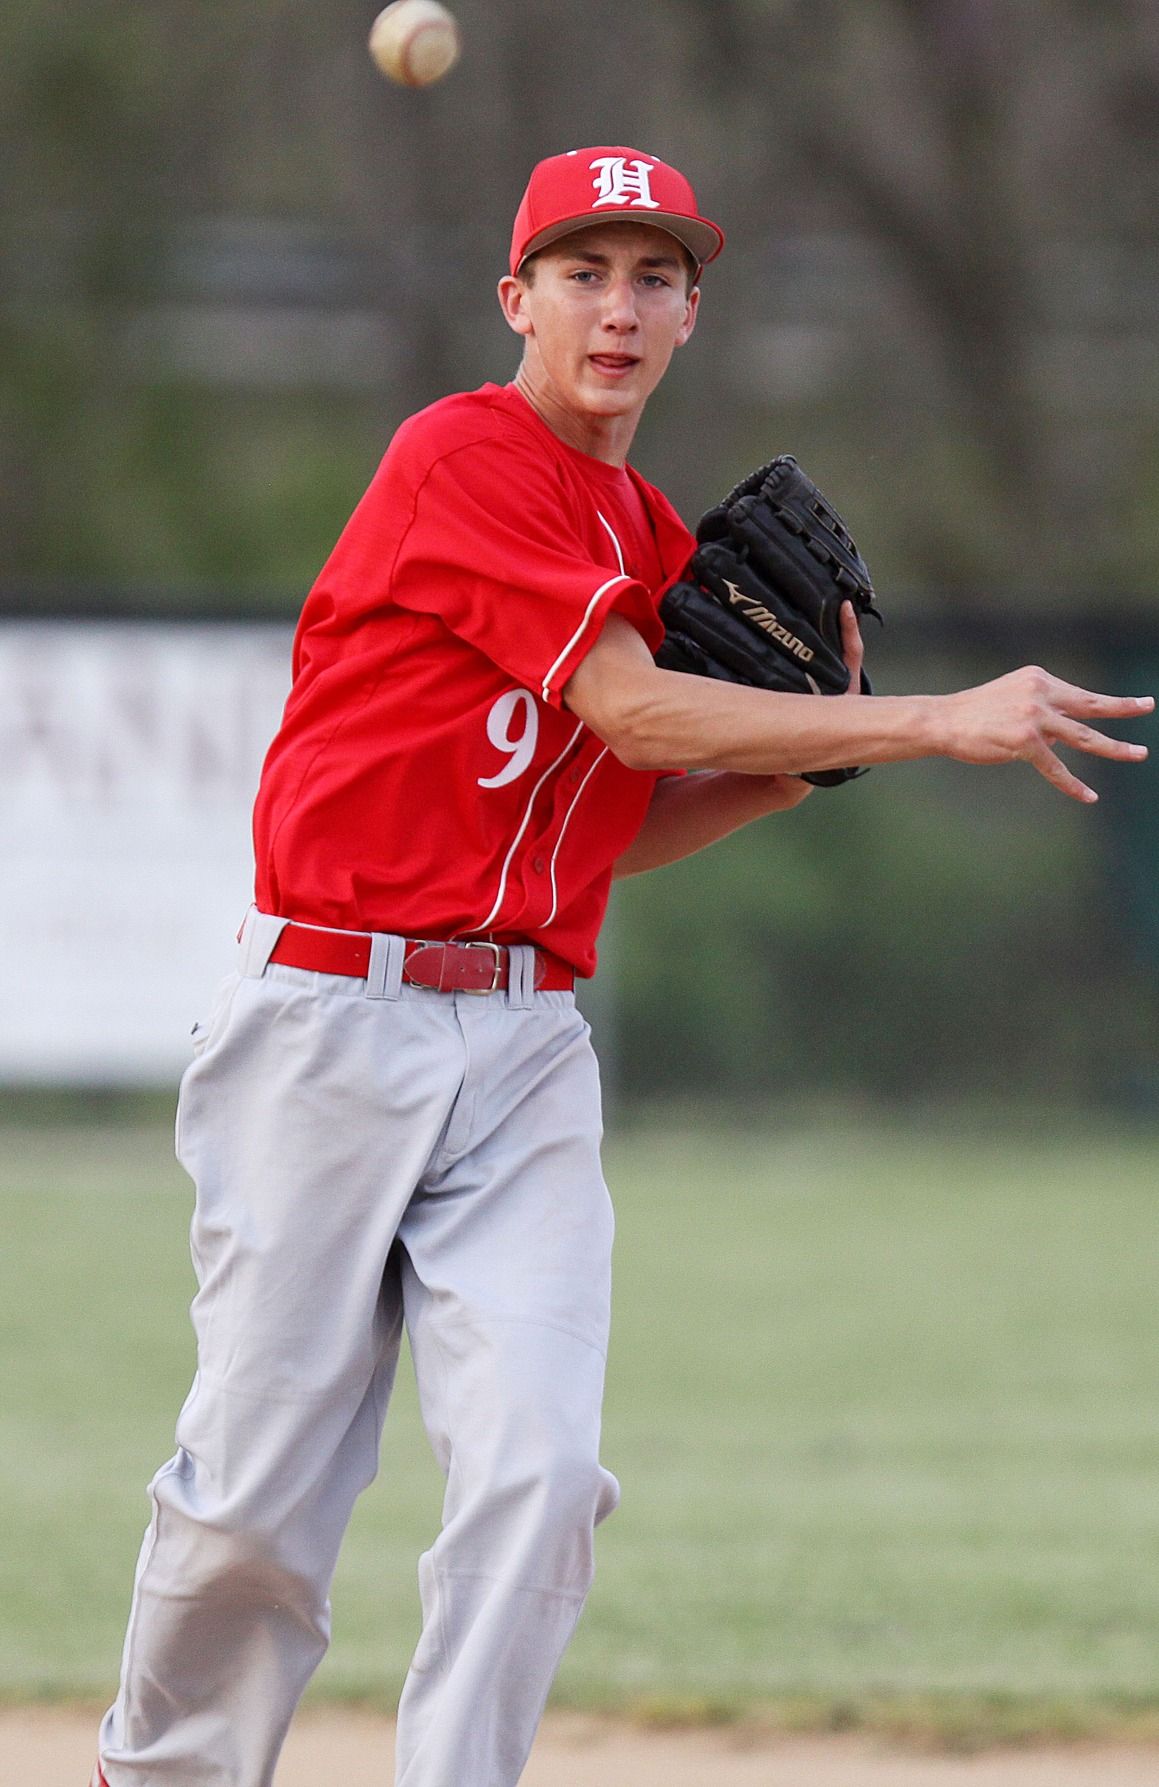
[(688, 813), (704, 724), (660, 719)]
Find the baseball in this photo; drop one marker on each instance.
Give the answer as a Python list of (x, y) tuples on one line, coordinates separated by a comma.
[(415, 42)]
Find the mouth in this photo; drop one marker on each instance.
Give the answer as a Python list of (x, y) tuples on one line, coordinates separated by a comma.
[(614, 365)]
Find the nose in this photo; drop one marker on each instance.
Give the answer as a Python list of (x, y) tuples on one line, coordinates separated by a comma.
[(620, 307)]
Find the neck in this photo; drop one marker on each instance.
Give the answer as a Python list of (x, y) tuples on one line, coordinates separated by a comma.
[(602, 437)]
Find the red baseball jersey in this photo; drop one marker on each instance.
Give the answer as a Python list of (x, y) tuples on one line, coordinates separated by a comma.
[(426, 778)]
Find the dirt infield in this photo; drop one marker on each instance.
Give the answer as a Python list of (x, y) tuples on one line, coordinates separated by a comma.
[(55, 1749)]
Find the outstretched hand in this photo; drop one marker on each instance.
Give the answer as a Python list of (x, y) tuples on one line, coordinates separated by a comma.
[(1023, 716)]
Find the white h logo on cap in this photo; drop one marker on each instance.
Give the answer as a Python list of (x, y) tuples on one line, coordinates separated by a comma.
[(621, 182)]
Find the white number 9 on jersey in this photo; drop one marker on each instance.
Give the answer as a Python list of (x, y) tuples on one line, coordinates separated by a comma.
[(513, 728)]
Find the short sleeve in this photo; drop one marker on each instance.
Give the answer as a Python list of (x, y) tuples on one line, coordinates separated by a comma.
[(496, 551)]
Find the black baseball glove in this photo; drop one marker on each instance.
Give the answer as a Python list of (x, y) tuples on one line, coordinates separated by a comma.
[(760, 599)]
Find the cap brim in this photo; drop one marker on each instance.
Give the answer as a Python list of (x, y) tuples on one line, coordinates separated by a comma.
[(702, 239)]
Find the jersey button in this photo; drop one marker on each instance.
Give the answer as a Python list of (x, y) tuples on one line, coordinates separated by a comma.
[(538, 864), (573, 775)]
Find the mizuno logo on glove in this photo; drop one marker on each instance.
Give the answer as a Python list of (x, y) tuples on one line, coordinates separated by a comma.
[(765, 618)]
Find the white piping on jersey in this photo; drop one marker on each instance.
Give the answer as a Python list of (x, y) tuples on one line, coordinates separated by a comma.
[(612, 536), (578, 634), (517, 839), (621, 577), (563, 829)]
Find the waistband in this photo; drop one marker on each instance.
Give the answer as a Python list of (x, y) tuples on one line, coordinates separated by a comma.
[(443, 967)]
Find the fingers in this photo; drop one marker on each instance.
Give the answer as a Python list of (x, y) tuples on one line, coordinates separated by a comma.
[(1056, 771), (1083, 738), (852, 645), (1069, 707), (1025, 714), (1085, 704), (1098, 744)]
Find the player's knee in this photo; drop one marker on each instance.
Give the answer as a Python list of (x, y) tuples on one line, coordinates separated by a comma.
[(574, 1493), (241, 1546), (580, 1495), (247, 1565)]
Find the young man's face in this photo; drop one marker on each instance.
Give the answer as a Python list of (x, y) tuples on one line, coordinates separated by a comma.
[(601, 314)]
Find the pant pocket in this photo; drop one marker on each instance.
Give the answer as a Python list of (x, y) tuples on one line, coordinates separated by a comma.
[(205, 1032)]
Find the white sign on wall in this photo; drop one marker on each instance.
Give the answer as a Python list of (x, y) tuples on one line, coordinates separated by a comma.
[(129, 758)]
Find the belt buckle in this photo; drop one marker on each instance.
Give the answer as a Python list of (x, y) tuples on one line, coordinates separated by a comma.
[(497, 965)]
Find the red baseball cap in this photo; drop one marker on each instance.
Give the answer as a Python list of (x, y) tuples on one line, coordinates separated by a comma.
[(590, 186)]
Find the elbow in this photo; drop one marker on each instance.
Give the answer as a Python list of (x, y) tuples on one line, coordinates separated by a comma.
[(639, 751), (641, 731), (627, 700), (624, 712), (636, 743)]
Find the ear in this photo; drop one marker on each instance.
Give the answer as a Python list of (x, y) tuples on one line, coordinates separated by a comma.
[(691, 308), (513, 304)]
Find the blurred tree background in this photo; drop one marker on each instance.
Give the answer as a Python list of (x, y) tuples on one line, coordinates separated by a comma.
[(233, 259)]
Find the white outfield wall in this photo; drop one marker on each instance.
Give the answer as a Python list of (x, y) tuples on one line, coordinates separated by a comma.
[(129, 757)]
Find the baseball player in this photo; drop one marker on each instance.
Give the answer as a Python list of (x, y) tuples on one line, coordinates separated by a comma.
[(393, 1110)]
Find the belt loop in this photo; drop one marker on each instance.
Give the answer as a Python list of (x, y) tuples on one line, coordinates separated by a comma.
[(259, 934), (520, 976), (384, 971)]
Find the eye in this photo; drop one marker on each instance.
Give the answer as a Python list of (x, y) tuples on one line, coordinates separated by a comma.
[(585, 275)]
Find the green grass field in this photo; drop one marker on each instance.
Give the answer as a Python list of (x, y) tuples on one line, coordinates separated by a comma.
[(885, 1408)]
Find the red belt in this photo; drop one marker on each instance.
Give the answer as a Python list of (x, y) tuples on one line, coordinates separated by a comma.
[(445, 967)]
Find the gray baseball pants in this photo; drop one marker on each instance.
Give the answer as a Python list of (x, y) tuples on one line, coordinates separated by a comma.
[(361, 1161)]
